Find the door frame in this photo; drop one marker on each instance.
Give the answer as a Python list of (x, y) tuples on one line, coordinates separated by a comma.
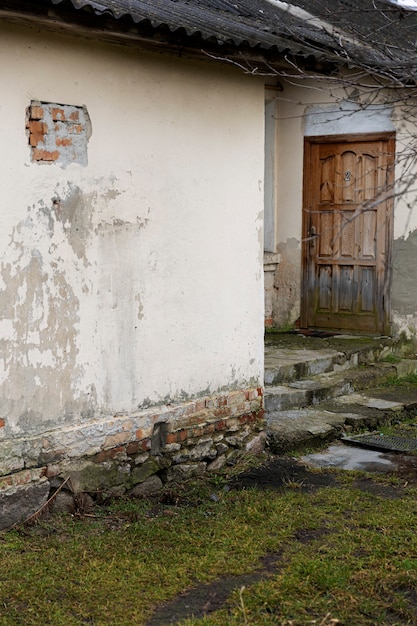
[(384, 306)]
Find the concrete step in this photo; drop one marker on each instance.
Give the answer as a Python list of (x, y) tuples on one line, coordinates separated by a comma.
[(366, 405), (322, 387), (284, 365), (369, 410), (287, 430), (315, 390), (287, 365)]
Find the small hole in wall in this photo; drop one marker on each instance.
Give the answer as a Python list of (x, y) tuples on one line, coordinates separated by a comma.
[(58, 133)]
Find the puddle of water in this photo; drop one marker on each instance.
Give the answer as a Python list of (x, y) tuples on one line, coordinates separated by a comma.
[(352, 458)]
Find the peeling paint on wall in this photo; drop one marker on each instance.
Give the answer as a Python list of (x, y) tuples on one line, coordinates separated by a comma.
[(39, 319), (74, 212)]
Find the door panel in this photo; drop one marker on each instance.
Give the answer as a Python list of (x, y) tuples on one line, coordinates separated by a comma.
[(347, 232)]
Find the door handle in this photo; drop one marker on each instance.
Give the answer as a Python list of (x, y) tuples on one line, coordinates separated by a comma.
[(312, 236)]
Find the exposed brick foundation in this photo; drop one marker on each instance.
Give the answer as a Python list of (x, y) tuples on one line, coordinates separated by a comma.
[(116, 454)]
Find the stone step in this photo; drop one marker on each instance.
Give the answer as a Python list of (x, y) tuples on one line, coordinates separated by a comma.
[(322, 387), (284, 365), (288, 430), (294, 428), (287, 365)]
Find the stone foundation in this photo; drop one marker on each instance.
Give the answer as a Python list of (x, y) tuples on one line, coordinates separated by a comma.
[(113, 456)]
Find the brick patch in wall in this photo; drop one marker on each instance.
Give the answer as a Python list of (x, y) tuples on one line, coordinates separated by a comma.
[(58, 133)]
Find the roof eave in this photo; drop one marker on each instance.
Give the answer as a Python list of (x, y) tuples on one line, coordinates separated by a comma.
[(124, 31)]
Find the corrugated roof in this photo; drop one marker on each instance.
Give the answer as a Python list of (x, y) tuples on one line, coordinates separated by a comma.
[(373, 31), (252, 22)]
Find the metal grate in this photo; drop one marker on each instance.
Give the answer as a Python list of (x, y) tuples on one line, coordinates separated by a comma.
[(392, 443)]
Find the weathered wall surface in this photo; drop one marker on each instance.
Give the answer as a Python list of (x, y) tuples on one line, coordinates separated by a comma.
[(288, 159), (130, 274), (404, 292)]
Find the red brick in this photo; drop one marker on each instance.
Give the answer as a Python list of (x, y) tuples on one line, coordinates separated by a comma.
[(221, 425), (260, 391), (222, 401), (248, 418), (224, 412), (210, 428), (2, 423), (44, 155), (196, 432), (38, 127), (75, 116), (36, 113), (58, 114), (133, 447), (171, 438), (183, 434), (108, 455), (200, 405), (63, 141), (36, 138), (146, 445)]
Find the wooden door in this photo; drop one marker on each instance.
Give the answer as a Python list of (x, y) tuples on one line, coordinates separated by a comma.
[(347, 232)]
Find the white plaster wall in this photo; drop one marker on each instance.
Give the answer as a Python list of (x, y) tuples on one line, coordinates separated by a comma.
[(144, 284)]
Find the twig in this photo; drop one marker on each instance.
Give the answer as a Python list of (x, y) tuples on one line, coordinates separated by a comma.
[(37, 513), (242, 604)]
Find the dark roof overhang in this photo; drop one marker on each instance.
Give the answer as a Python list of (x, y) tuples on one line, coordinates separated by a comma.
[(253, 33), (319, 35)]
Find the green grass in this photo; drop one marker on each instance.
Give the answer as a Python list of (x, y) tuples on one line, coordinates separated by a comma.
[(357, 562), (391, 358), (408, 381)]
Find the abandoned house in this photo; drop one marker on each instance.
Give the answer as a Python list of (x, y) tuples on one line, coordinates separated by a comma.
[(175, 176)]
